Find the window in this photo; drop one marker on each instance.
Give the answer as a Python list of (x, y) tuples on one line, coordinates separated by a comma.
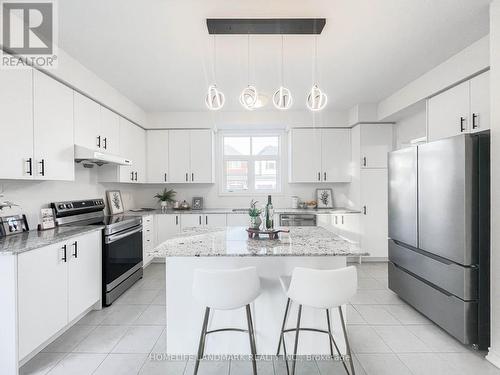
[(251, 163)]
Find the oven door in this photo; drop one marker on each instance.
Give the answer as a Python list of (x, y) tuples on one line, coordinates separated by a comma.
[(122, 256)]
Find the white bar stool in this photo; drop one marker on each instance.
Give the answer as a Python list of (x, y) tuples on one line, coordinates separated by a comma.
[(321, 289), (226, 290)]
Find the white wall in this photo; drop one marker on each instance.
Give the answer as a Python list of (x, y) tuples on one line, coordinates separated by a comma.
[(494, 352), (411, 127)]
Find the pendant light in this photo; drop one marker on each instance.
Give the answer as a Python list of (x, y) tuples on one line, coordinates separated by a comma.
[(249, 96), (282, 98), (317, 99), (215, 99)]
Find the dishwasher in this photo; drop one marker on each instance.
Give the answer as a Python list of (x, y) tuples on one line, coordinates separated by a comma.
[(297, 220)]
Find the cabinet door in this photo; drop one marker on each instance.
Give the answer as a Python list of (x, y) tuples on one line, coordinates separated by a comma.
[(305, 155), (110, 132), (42, 296), (53, 129), (167, 225), (239, 220), (148, 239), (480, 102), (84, 259), (201, 156), (16, 125), (336, 155), (325, 221), (179, 156), (215, 220), (350, 227), (376, 142), (87, 122), (374, 212), (448, 112), (140, 154), (192, 220), (128, 144), (157, 156)]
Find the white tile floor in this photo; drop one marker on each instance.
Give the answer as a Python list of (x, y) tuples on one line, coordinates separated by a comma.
[(387, 337)]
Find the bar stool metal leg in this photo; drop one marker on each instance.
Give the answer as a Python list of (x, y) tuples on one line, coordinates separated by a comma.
[(296, 340), (201, 345), (283, 326), (251, 335), (329, 331), (348, 347)]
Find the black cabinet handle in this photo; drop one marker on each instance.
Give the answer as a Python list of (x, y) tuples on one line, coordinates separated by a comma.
[(364, 161), (75, 245), (319, 176), (199, 217), (99, 141), (336, 220), (136, 176), (364, 210), (132, 174), (475, 116), (342, 219), (192, 177), (176, 220), (324, 176), (30, 166), (165, 177), (462, 126), (42, 172), (206, 220), (105, 141), (187, 178), (64, 258)]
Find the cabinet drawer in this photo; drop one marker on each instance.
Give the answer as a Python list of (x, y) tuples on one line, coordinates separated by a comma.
[(457, 317), (459, 281)]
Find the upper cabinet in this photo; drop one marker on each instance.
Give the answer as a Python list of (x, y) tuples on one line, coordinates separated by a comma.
[(190, 156), (157, 156), (133, 146), (96, 127), (463, 108), (16, 124), (375, 142), (319, 155)]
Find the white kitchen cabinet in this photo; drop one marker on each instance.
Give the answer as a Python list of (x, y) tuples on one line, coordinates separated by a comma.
[(53, 129), (148, 239), (110, 131), (336, 155), (42, 296), (203, 220), (320, 155), (157, 156), (325, 221), (305, 155), (375, 142), (191, 156), (16, 126), (464, 108), (448, 112), (480, 102), (166, 226), (238, 220), (84, 254), (214, 220), (374, 212), (87, 122)]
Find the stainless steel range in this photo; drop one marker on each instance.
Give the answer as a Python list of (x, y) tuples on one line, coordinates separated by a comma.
[(122, 243)]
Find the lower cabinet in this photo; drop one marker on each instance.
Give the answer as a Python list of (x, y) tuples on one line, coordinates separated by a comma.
[(166, 226), (148, 239), (345, 225), (56, 284), (203, 220)]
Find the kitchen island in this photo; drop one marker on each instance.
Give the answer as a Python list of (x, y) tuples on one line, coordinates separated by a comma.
[(223, 248)]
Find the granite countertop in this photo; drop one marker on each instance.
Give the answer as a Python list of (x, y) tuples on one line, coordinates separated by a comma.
[(321, 211), (234, 241), (19, 243)]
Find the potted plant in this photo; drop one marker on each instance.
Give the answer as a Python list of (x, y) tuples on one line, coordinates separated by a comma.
[(165, 197), (254, 213)]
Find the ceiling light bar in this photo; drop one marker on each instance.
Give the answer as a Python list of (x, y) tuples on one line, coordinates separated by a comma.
[(313, 26)]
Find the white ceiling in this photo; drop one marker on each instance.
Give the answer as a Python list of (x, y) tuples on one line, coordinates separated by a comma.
[(158, 52)]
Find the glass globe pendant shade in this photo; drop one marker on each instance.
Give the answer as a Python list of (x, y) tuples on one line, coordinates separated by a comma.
[(317, 99), (215, 99), (282, 98), (249, 97)]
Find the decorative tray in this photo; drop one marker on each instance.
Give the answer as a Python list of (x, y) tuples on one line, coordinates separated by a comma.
[(273, 233)]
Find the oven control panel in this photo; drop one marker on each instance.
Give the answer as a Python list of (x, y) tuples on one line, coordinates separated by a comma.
[(73, 207)]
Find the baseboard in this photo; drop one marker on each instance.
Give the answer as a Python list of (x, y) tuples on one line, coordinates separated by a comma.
[(493, 358)]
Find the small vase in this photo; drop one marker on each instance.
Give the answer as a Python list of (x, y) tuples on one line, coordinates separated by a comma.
[(255, 222), (163, 205)]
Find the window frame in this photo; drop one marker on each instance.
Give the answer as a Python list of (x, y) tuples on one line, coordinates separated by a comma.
[(250, 159)]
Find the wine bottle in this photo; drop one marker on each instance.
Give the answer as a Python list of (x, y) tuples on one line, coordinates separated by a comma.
[(269, 214)]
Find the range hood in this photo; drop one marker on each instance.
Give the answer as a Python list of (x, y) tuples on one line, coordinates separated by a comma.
[(89, 157)]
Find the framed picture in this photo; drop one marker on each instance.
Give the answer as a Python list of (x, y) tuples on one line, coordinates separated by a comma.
[(115, 202), (197, 203), (324, 197), (48, 221)]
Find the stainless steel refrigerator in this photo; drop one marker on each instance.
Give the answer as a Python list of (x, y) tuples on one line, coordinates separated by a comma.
[(439, 229)]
